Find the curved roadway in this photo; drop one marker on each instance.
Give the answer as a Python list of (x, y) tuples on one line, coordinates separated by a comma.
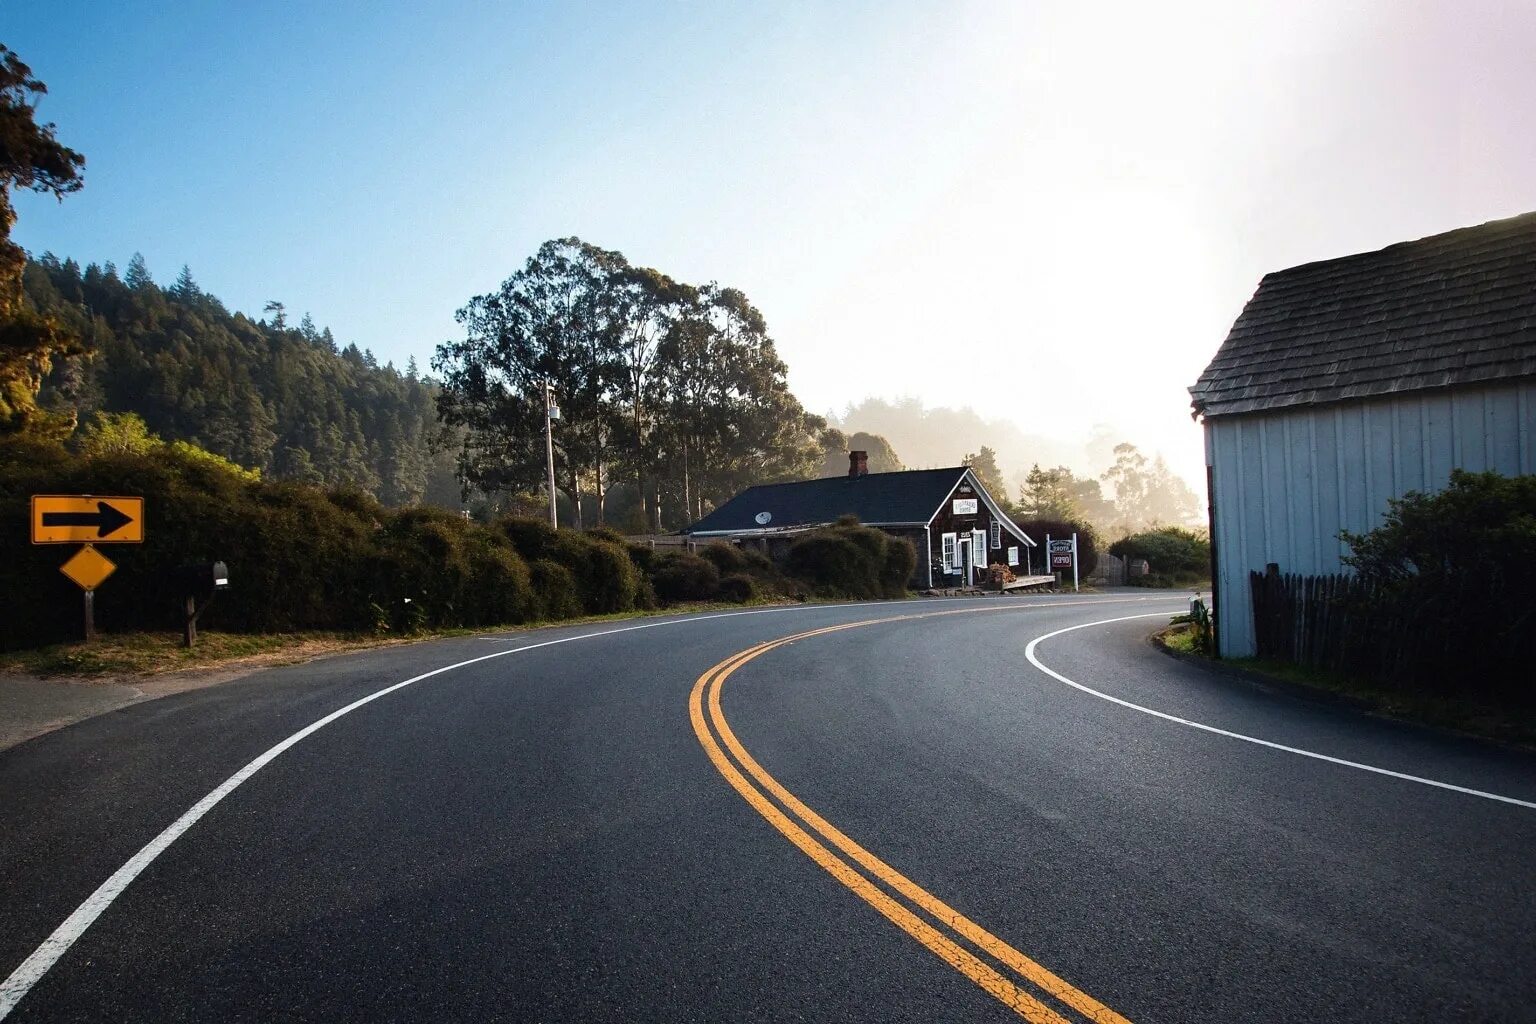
[(681, 820)]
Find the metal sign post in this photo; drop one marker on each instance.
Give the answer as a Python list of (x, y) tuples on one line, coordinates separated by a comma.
[(1062, 555), (88, 520)]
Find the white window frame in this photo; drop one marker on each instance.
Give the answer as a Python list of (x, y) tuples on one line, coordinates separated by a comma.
[(979, 549), (997, 535), (949, 546), (1013, 556)]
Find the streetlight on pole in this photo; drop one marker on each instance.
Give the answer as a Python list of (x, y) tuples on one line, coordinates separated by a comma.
[(551, 413)]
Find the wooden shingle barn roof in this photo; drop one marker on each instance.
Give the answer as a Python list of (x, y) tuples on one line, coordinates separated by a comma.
[(1451, 309)]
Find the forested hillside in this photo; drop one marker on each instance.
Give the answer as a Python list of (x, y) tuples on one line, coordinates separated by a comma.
[(282, 399)]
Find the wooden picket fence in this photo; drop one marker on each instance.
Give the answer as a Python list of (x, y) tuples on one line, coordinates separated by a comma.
[(1325, 622), (1446, 642)]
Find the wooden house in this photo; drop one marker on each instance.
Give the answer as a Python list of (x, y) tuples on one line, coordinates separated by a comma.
[(956, 527), (1352, 381)]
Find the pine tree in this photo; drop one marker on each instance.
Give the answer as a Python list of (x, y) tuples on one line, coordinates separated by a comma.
[(138, 276), (185, 287)]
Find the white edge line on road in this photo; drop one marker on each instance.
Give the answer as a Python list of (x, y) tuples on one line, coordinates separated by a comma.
[(32, 969), (1029, 653)]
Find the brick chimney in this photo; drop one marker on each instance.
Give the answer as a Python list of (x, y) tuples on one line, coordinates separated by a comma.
[(858, 463)]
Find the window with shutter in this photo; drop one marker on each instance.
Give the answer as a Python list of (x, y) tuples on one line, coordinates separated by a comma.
[(979, 548), (951, 555)]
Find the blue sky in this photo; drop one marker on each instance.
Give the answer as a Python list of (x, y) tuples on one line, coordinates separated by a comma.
[(943, 200)]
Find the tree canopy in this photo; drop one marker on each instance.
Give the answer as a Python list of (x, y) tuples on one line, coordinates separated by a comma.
[(1148, 493), (984, 464), (836, 445), (31, 157), (675, 389)]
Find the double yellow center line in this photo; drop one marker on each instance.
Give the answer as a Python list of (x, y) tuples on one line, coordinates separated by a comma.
[(1010, 974)]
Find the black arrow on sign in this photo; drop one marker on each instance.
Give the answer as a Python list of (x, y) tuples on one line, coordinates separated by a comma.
[(107, 519)]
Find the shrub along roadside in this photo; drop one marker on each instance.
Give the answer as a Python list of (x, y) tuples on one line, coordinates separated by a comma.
[(300, 558), (304, 559), (1176, 555), (852, 561)]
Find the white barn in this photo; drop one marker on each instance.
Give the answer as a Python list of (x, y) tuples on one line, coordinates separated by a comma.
[(1351, 381)]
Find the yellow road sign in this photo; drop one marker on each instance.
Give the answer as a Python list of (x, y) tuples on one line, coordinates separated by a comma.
[(86, 519), (88, 567)]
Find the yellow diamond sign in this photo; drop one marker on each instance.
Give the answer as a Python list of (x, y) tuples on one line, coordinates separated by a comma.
[(88, 567)]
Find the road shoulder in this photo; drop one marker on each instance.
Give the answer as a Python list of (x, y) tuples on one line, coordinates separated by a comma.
[(1491, 731)]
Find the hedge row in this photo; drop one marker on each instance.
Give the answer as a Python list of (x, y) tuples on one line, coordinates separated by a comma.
[(301, 558)]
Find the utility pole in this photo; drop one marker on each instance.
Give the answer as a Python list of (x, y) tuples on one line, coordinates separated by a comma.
[(551, 413)]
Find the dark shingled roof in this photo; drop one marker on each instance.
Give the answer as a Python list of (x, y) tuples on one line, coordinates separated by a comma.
[(1451, 309), (911, 496)]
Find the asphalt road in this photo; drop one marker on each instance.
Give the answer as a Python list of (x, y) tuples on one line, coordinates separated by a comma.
[(902, 821)]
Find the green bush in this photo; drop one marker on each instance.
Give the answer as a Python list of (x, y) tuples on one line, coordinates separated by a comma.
[(500, 586), (554, 589), (849, 560), (645, 595), (833, 565), (607, 533), (533, 538), (643, 556), (299, 557), (605, 577), (684, 577), (900, 561), (738, 587), (727, 558), (759, 564), (1452, 595), (1172, 551), (426, 562)]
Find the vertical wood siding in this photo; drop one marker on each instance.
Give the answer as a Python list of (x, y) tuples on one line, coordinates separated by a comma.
[(1287, 482)]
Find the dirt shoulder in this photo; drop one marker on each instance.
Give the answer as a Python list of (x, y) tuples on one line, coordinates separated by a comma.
[(51, 687)]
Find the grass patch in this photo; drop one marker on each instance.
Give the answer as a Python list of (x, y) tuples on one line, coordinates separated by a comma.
[(1424, 709), (147, 654), (151, 654), (1179, 638)]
